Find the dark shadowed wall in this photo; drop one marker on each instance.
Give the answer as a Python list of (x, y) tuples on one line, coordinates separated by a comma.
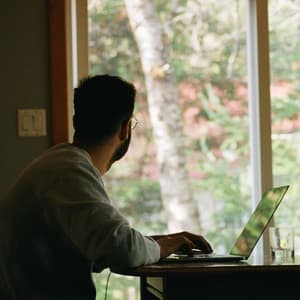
[(24, 81)]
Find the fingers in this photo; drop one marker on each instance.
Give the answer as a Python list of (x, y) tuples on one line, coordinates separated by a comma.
[(188, 246), (185, 242), (203, 244), (199, 241), (171, 244)]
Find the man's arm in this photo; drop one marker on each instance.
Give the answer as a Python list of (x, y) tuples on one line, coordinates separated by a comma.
[(77, 201)]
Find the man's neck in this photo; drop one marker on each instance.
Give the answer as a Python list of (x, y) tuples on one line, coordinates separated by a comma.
[(100, 155)]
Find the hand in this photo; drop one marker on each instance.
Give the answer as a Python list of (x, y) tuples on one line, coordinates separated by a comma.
[(182, 241)]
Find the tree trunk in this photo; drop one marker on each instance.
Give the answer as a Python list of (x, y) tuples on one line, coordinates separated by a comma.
[(165, 114)]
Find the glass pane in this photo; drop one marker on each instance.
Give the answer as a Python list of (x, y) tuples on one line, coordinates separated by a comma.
[(207, 58), (284, 22)]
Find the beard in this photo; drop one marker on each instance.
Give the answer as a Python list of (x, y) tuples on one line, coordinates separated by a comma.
[(121, 150)]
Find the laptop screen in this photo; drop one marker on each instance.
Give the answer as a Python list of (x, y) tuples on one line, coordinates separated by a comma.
[(258, 221)]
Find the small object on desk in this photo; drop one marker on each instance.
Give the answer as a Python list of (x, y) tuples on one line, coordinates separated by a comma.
[(282, 244)]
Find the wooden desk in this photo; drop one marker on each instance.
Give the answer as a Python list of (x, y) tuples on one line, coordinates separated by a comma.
[(219, 281)]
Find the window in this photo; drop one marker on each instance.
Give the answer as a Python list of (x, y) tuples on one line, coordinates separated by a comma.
[(236, 142), (207, 54)]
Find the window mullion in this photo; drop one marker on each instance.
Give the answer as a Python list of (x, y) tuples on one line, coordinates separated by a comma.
[(259, 105)]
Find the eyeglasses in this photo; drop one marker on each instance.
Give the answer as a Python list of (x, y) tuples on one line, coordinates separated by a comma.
[(133, 122)]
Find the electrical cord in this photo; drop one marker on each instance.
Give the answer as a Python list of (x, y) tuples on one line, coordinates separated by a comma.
[(106, 286)]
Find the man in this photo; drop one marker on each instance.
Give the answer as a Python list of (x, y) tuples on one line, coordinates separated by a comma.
[(57, 223)]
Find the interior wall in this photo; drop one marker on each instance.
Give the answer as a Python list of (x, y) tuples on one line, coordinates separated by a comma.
[(24, 81)]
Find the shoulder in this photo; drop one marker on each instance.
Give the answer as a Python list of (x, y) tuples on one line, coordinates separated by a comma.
[(60, 165), (64, 157)]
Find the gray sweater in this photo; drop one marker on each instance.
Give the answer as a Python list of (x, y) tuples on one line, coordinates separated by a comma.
[(57, 225)]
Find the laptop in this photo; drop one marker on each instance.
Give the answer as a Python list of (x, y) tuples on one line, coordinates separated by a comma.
[(249, 236)]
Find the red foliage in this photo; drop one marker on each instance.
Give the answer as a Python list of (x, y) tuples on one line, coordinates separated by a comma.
[(287, 125), (233, 95), (235, 108), (281, 88)]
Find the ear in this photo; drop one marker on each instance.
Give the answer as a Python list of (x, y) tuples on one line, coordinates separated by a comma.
[(124, 131)]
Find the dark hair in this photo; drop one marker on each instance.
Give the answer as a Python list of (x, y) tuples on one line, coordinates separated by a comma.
[(101, 104)]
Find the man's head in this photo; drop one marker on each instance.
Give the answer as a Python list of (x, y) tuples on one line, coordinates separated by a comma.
[(102, 103)]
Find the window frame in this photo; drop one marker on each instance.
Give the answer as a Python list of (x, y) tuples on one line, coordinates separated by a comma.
[(60, 69), (259, 107)]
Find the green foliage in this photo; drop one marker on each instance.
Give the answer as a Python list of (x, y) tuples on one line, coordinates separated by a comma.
[(111, 43), (284, 40), (231, 200), (230, 194), (285, 107), (118, 287), (140, 200), (235, 128)]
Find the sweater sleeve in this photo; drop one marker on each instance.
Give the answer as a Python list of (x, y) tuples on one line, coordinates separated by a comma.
[(81, 207)]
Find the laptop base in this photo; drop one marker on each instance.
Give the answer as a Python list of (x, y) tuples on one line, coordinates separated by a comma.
[(212, 257)]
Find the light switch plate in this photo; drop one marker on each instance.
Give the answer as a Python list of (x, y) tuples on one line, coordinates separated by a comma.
[(31, 122)]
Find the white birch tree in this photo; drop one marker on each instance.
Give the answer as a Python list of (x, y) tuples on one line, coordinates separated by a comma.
[(165, 113)]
